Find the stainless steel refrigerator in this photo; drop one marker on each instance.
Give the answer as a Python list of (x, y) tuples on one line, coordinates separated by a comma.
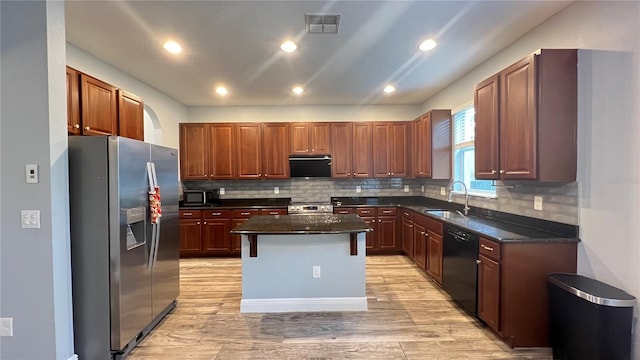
[(124, 258)]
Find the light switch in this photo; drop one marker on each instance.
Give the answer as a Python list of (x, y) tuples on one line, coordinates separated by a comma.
[(406, 188), (537, 202), (443, 191), (30, 219), (221, 191), (358, 189), (276, 190)]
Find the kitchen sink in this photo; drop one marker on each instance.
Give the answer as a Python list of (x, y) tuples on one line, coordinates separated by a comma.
[(446, 214)]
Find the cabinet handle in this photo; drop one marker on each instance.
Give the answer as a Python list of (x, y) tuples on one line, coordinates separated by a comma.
[(386, 211), (265, 175), (76, 126), (486, 247), (198, 223), (244, 213), (313, 149), (273, 213), (501, 171), (478, 262), (205, 222), (216, 214), (87, 128), (422, 233), (348, 174), (406, 214), (187, 214), (410, 225), (493, 171)]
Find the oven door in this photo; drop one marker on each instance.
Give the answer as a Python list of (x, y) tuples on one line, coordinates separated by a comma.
[(459, 267)]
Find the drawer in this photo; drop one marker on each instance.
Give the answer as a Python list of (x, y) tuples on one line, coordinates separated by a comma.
[(434, 225), (490, 249), (273, 212), (406, 214), (245, 213), (387, 211), (344, 210), (190, 214), (214, 214), (366, 211)]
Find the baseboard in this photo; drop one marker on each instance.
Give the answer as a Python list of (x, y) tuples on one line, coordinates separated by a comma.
[(303, 304), (73, 357)]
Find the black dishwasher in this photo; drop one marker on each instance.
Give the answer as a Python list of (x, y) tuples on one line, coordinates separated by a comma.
[(459, 267)]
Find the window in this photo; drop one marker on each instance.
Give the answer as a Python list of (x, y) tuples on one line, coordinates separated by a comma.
[(464, 155)]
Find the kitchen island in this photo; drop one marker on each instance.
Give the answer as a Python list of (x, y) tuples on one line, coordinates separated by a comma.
[(303, 263)]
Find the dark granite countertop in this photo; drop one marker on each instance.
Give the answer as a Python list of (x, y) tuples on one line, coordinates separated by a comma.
[(254, 203), (302, 224), (493, 225)]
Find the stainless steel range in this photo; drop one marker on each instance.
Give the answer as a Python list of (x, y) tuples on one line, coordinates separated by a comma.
[(310, 208)]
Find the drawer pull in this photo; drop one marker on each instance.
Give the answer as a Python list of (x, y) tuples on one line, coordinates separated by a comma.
[(76, 126), (198, 223), (273, 213), (87, 128), (216, 214), (187, 214), (486, 247), (406, 214), (410, 225), (478, 262), (205, 223), (245, 213), (386, 211)]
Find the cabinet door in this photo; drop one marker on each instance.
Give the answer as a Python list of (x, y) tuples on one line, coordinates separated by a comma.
[(194, 160), (341, 150), (362, 150), (486, 141), (434, 256), (407, 238), (99, 107), (221, 152), (422, 141), (190, 237), (489, 292), (236, 240), (372, 236), (387, 232), (518, 134), (419, 245), (381, 156), (249, 151), (73, 102), (300, 138), (398, 145), (130, 116), (215, 236), (319, 138), (275, 151)]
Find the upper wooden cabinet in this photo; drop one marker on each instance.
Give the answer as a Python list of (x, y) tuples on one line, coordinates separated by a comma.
[(99, 107), (351, 150), (535, 109), (390, 155), (249, 151), (310, 138), (95, 107), (432, 145), (194, 154), (130, 116), (275, 157), (73, 102), (221, 140)]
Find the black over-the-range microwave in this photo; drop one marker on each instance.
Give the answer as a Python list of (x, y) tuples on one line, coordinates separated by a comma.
[(200, 197)]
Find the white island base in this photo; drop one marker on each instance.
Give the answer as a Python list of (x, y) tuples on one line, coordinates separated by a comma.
[(280, 278)]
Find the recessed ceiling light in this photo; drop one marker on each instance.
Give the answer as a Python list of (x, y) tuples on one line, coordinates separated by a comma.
[(222, 91), (288, 46), (427, 45), (173, 47), (389, 89), (297, 90)]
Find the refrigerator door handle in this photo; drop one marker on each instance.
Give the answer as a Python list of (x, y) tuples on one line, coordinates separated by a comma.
[(155, 223)]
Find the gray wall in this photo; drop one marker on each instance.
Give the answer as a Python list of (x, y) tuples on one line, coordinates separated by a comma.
[(34, 263)]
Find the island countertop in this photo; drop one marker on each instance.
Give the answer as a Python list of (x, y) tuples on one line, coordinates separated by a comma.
[(303, 224)]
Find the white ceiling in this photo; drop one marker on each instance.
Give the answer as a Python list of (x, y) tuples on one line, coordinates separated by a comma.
[(236, 43)]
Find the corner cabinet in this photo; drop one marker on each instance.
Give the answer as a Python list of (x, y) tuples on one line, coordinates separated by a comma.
[(432, 145), (526, 119)]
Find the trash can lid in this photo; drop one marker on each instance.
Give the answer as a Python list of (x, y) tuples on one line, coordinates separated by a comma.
[(592, 290)]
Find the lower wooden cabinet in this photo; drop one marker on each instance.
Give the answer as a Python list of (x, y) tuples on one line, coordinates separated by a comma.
[(190, 232), (489, 292), (384, 222), (419, 244), (434, 255)]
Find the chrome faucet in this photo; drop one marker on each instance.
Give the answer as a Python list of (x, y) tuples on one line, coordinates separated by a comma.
[(466, 195)]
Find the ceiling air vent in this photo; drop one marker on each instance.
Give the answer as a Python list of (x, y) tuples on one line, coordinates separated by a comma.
[(322, 23)]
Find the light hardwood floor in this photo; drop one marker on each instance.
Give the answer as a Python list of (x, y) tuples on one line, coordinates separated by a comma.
[(409, 317)]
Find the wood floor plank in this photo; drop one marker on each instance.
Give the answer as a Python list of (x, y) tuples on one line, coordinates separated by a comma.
[(409, 317)]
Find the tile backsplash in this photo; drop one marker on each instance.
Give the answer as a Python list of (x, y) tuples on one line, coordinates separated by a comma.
[(560, 201)]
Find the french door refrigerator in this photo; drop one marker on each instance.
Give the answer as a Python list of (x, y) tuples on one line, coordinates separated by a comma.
[(123, 197)]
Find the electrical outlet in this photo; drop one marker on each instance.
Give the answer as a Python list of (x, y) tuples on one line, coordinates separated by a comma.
[(422, 188), (30, 219), (6, 326), (358, 189), (316, 272), (406, 188), (276, 190), (443, 191), (537, 202), (221, 191)]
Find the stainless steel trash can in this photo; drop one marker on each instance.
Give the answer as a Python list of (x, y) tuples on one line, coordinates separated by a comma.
[(588, 319)]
